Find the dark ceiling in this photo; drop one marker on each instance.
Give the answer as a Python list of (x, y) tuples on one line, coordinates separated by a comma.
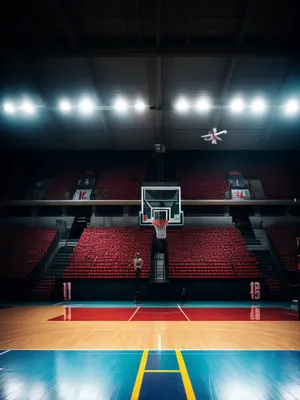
[(156, 50)]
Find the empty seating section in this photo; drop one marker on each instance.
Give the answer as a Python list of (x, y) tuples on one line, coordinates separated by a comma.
[(279, 182), (202, 184), (209, 253), (284, 240), (120, 184), (22, 248), (63, 186), (109, 253)]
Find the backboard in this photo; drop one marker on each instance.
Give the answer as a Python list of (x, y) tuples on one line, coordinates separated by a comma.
[(161, 202)]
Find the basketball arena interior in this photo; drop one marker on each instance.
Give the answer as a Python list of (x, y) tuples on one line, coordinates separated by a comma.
[(150, 200)]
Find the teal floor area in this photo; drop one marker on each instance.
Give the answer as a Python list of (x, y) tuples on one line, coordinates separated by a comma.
[(192, 304), (126, 304)]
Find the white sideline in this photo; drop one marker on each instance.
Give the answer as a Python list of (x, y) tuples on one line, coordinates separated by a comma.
[(134, 314), (183, 312)]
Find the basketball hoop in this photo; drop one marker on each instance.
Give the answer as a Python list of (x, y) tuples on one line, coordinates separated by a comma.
[(160, 226)]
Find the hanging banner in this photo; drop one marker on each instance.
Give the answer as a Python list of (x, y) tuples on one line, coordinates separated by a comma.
[(82, 195), (240, 194)]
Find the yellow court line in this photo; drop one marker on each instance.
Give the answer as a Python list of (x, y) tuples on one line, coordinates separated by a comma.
[(139, 378), (189, 391), (162, 370)]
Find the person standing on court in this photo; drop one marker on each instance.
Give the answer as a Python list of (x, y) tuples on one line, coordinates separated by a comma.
[(138, 265), (183, 297)]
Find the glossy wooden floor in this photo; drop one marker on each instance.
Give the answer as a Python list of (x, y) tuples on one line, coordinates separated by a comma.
[(28, 328)]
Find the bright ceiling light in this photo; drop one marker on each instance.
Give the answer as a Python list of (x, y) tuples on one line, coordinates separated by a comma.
[(86, 106), (27, 107), (258, 106), (9, 108), (291, 107), (140, 106), (203, 104), (182, 105), (65, 106), (121, 105), (237, 105)]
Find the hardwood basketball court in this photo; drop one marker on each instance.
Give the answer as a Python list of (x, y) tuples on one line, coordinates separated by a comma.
[(119, 351)]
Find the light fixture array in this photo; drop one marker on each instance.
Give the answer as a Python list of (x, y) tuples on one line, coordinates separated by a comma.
[(86, 106), (237, 105)]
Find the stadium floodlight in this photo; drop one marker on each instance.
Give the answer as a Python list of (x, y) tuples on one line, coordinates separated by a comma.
[(258, 106), (121, 105), (65, 106), (27, 107), (203, 104), (291, 107), (86, 106), (140, 106), (237, 105), (182, 105), (9, 108)]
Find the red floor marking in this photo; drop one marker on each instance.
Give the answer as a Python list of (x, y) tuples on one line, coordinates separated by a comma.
[(174, 314), (95, 314), (159, 314), (240, 314)]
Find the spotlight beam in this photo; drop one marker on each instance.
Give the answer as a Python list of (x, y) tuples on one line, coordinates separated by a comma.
[(96, 83), (232, 61), (271, 121), (33, 74), (71, 30)]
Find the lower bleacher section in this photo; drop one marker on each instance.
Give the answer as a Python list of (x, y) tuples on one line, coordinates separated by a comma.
[(209, 253), (109, 253), (284, 240), (21, 250)]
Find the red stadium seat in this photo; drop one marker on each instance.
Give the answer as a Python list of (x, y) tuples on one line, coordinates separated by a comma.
[(209, 253), (120, 184), (109, 252), (63, 184), (22, 249), (284, 240)]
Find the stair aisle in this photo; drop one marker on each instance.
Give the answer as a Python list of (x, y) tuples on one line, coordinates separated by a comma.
[(260, 247), (44, 288)]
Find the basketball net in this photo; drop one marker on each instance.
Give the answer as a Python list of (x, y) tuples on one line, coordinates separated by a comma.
[(160, 226)]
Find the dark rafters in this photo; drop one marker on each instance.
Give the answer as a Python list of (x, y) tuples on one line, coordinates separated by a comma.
[(72, 33), (232, 61)]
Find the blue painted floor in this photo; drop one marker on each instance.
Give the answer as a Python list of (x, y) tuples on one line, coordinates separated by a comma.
[(111, 375)]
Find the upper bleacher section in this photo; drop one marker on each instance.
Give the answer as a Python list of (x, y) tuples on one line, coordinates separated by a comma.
[(202, 184), (63, 186), (120, 183), (202, 176)]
